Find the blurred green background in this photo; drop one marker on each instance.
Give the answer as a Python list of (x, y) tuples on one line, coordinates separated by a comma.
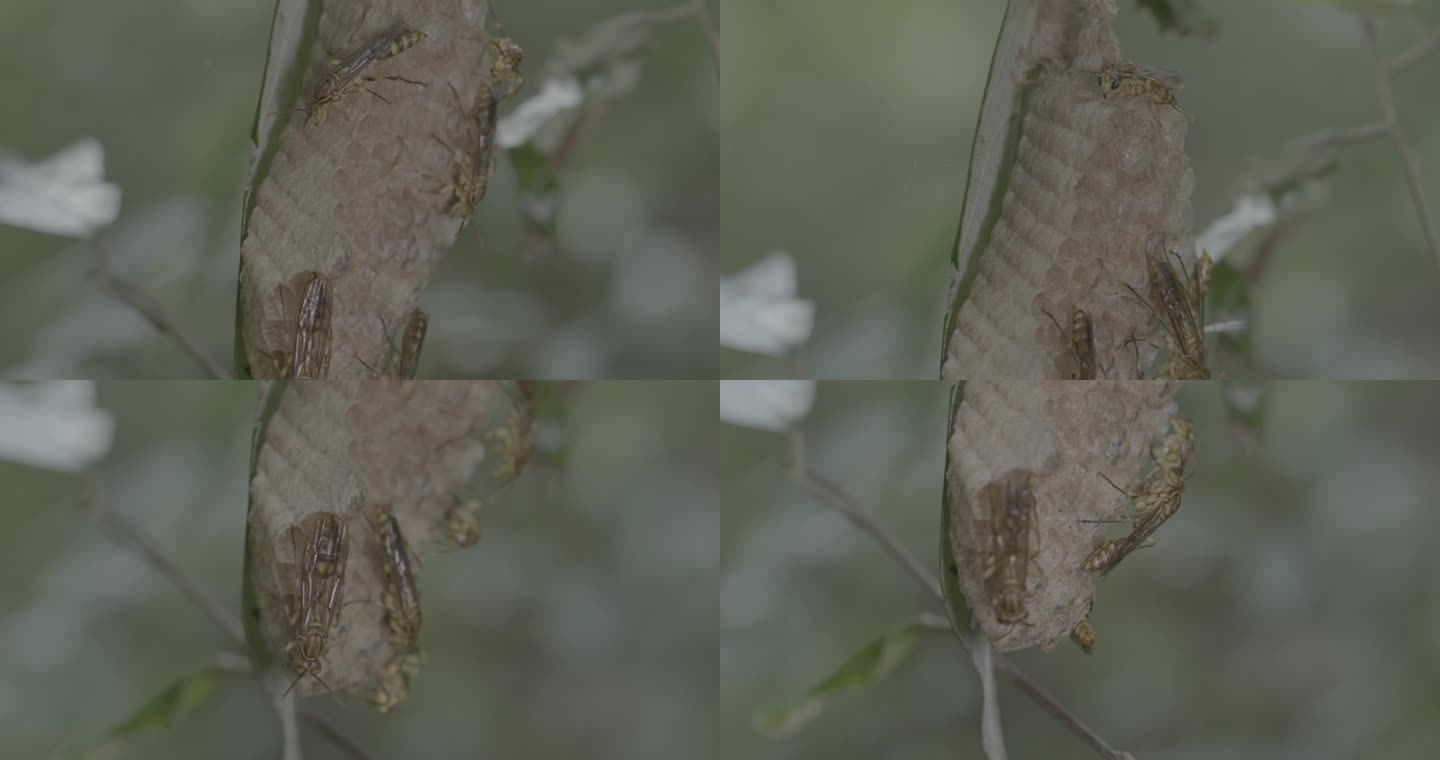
[(171, 94), (847, 130), (1290, 610), (583, 625)]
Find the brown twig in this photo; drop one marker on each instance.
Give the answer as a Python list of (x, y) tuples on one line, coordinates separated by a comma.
[(1414, 55), (1408, 160), (1334, 138), (335, 735), (1322, 146), (124, 531), (137, 299), (1043, 698), (1269, 245), (849, 507), (289, 727), (837, 499)]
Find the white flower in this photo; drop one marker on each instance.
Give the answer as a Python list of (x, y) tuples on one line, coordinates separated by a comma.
[(1230, 326), (54, 425), (759, 311), (555, 96), (63, 195), (765, 404), (1250, 211)]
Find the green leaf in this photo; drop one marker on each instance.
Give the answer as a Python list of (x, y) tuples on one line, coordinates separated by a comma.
[(260, 655), (1183, 17), (532, 169), (174, 702), (1383, 7), (955, 605), (993, 152), (873, 662), (1229, 296)]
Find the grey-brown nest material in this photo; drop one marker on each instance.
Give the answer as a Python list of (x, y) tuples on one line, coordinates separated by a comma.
[(415, 449), (359, 196), (1063, 435), (1097, 173)]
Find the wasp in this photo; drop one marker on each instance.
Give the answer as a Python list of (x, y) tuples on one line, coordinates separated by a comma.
[(307, 332), (1175, 451), (1009, 501), (1082, 342), (393, 685), (1156, 501), (1083, 634), (472, 175), (1134, 80), (461, 524), (1177, 300), (345, 77), (318, 597), (416, 324), (408, 359), (1178, 446), (402, 362), (402, 592), (329, 547)]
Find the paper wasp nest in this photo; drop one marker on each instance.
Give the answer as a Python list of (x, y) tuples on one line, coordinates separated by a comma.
[(428, 453), (1096, 175), (358, 196), (1064, 435)]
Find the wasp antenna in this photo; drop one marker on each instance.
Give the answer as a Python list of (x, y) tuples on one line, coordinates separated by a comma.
[(1112, 484), (292, 685)]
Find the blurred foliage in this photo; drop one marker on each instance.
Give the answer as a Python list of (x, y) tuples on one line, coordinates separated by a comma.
[(1364, 6), (1183, 17), (1245, 403), (172, 703), (584, 598), (851, 155), (1289, 610), (871, 663), (1228, 298), (630, 290)]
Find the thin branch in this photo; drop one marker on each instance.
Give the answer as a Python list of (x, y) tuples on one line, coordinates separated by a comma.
[(669, 15), (932, 622), (1408, 160), (335, 735), (131, 295), (124, 531), (584, 122), (837, 499), (234, 664), (289, 727), (712, 35), (1043, 698), (1269, 245), (694, 9), (1416, 54), (1335, 138)]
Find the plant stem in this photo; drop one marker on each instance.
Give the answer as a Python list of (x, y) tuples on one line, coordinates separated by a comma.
[(131, 295), (837, 499), (120, 528)]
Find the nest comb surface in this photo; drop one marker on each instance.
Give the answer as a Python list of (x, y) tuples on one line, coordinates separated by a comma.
[(1064, 433), (1093, 179), (345, 447), (359, 197)]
